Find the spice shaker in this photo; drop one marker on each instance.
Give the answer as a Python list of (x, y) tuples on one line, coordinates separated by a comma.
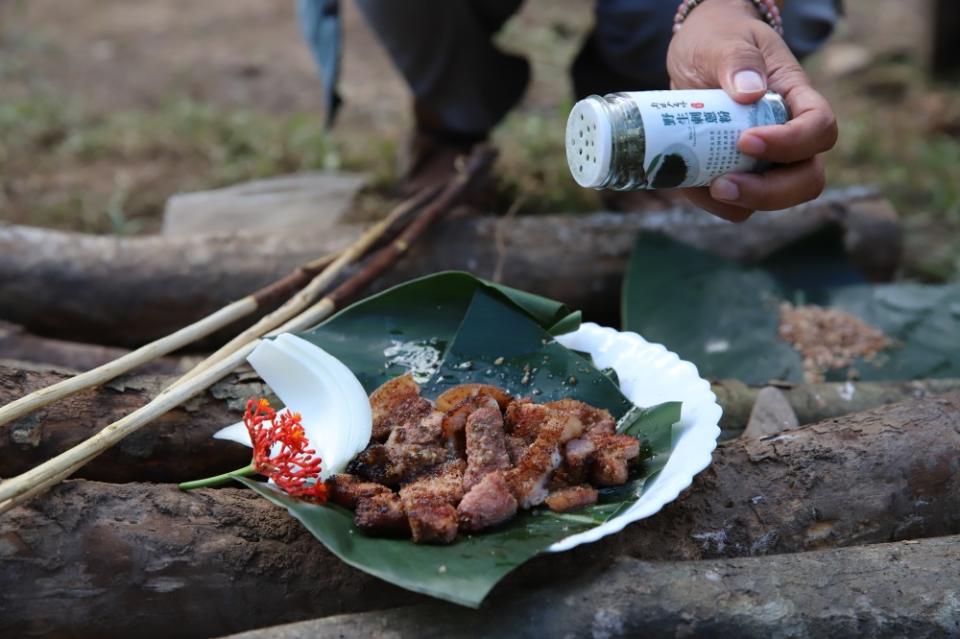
[(664, 139)]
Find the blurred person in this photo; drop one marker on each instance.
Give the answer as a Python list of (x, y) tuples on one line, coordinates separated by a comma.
[(464, 85)]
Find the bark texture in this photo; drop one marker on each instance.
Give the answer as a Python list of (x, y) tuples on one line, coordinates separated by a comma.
[(176, 447), (817, 402), (92, 559), (16, 344), (906, 589), (126, 291), (179, 445)]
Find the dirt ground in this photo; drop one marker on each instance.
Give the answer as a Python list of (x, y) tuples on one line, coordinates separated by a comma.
[(109, 107), (232, 53)]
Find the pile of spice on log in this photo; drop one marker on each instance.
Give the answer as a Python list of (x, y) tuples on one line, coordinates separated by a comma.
[(470, 461)]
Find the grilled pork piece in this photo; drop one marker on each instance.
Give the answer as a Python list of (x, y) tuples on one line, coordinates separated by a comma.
[(461, 394), (524, 419), (571, 498), (486, 448), (611, 460), (596, 420), (415, 447), (345, 489), (382, 515), (423, 431), (432, 521), (430, 503), (444, 483), (487, 504), (373, 464), (528, 480), (410, 462), (455, 423), (516, 447), (395, 403), (577, 455)]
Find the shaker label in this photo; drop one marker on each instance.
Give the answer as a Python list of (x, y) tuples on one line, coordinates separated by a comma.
[(691, 136)]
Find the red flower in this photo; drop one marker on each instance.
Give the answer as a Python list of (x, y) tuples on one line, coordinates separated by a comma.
[(281, 451)]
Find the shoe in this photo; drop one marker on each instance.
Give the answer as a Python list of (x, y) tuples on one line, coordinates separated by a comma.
[(432, 158)]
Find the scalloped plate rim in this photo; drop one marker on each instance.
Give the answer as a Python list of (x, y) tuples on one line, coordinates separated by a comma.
[(636, 360)]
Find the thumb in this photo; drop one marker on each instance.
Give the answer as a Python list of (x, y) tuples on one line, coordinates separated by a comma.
[(742, 73)]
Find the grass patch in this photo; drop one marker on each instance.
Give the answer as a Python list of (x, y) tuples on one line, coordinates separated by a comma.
[(126, 163)]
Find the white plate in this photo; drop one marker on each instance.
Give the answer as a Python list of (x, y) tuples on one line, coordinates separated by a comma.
[(650, 374)]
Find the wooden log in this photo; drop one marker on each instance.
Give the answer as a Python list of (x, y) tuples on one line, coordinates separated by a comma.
[(114, 560), (127, 291), (817, 402), (905, 589), (17, 344), (178, 447), (26, 443)]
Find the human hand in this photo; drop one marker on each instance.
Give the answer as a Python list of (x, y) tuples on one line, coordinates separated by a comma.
[(723, 44)]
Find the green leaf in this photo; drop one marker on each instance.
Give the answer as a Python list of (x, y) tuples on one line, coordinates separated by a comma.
[(462, 573), (724, 317), (424, 313), (923, 318), (471, 325), (718, 315)]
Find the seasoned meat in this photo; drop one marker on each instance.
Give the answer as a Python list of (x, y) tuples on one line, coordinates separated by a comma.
[(457, 395), (382, 515), (432, 521), (529, 479), (524, 419), (487, 504), (527, 420), (475, 459), (610, 461), (516, 447), (410, 462), (373, 464), (486, 448), (445, 483), (455, 424), (571, 498), (415, 447), (345, 489), (397, 402), (577, 456), (594, 419), (424, 431), (430, 503)]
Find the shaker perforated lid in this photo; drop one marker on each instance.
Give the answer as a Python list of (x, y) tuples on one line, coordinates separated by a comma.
[(589, 142)]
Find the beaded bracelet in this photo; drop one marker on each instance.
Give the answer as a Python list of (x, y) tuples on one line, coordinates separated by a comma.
[(768, 10)]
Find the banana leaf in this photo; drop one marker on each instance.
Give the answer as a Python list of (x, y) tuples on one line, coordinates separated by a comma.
[(724, 316), (453, 328)]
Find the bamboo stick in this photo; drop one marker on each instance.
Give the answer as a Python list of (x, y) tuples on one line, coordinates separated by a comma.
[(131, 360), (17, 490), (308, 294), (33, 482), (330, 267), (163, 346)]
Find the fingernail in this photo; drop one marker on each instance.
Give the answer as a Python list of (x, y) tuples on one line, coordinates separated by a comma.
[(725, 190), (749, 81), (752, 145)]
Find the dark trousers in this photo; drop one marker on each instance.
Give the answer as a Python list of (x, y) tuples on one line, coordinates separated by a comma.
[(464, 84)]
